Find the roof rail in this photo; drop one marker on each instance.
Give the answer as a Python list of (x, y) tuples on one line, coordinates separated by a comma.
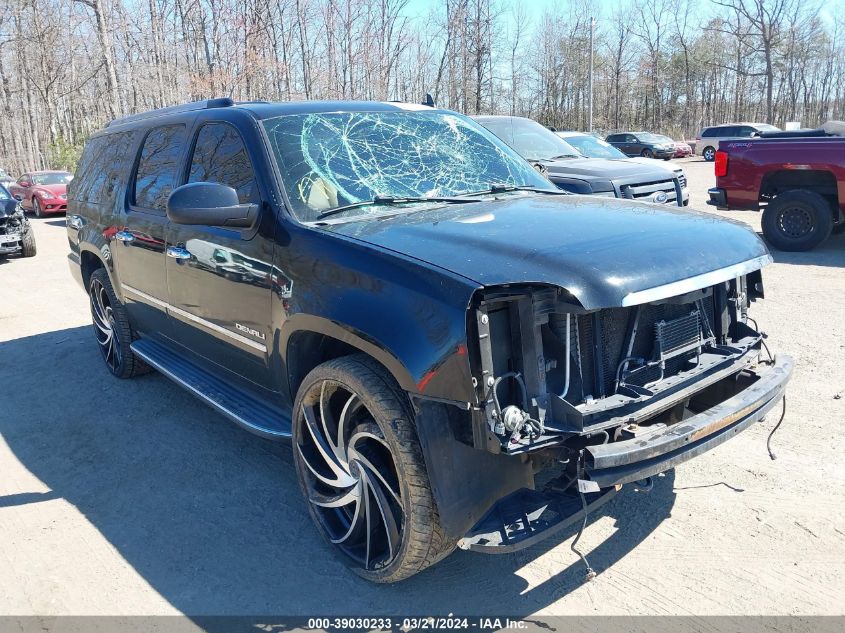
[(222, 102)]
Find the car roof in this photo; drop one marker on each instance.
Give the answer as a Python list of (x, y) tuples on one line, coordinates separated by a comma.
[(47, 171), (266, 109)]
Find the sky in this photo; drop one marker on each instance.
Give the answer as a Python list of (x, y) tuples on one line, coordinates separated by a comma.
[(535, 8)]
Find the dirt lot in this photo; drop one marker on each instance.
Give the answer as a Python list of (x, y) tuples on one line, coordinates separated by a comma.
[(131, 497)]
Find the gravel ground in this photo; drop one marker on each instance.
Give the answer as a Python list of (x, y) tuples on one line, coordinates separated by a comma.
[(131, 497)]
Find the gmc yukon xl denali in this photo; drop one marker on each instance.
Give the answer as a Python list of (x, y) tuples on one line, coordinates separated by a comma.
[(462, 354)]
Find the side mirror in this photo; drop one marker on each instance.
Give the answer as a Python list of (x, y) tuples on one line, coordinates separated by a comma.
[(209, 204), (25, 184)]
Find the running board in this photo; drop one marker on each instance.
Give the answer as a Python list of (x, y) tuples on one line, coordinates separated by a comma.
[(248, 411), (526, 517)]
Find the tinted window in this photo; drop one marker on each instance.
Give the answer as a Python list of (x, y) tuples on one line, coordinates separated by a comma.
[(102, 168), (708, 132), (613, 138), (157, 166), (220, 156), (745, 130)]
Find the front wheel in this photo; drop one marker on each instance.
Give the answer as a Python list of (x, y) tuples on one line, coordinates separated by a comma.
[(797, 220), (647, 153), (709, 154), (28, 243), (36, 208), (361, 470)]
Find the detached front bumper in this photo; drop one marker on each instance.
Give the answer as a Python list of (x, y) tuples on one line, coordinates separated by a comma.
[(646, 455)]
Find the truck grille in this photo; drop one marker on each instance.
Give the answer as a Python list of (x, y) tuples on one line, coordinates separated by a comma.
[(667, 331), (682, 179), (647, 191)]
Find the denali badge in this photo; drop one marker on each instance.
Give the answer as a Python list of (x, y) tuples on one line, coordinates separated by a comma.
[(249, 330)]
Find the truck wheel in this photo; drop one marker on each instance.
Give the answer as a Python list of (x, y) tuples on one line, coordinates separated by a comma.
[(361, 470), (28, 243), (797, 220), (709, 154), (111, 328)]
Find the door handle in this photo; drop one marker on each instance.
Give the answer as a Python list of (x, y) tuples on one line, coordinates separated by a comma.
[(124, 236), (178, 253)]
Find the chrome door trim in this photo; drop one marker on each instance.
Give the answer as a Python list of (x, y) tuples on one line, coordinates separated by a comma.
[(171, 309)]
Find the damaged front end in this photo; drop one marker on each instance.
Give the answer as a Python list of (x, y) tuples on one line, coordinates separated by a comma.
[(605, 397), (14, 226)]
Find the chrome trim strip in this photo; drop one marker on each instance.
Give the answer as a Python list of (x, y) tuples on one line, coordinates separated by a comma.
[(150, 360), (144, 295), (695, 283), (171, 309)]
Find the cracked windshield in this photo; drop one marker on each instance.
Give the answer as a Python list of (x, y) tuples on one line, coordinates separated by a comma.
[(335, 159)]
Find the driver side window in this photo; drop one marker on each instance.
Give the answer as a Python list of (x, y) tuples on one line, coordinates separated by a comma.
[(220, 156)]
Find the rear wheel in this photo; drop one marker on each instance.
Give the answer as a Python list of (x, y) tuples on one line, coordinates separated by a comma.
[(28, 243), (360, 467), (797, 220), (111, 328), (709, 154)]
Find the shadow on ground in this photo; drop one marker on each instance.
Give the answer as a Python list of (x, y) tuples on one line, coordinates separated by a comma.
[(211, 516), (830, 253)]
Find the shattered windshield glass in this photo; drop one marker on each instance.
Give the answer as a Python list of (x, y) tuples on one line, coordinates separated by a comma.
[(333, 159)]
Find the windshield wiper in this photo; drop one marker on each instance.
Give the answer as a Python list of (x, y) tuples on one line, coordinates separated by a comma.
[(502, 188), (559, 156), (389, 200)]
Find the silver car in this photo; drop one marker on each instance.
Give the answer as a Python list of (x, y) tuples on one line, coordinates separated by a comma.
[(708, 141)]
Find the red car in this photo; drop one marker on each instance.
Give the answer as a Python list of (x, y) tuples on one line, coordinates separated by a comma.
[(42, 192)]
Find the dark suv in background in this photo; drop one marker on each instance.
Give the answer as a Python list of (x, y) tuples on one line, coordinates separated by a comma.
[(430, 321), (574, 171), (642, 144)]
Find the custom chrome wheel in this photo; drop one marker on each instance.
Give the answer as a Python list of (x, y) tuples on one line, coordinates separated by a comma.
[(361, 470), (103, 316), (111, 328)]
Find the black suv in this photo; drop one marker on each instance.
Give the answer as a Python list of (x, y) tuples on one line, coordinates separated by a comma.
[(435, 324)]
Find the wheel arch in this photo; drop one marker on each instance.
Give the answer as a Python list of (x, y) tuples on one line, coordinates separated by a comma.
[(313, 340), (820, 181)]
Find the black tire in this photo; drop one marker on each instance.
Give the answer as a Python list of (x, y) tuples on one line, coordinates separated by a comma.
[(838, 228), (36, 207), (647, 153), (797, 220), (112, 329), (377, 420), (28, 243), (709, 154)]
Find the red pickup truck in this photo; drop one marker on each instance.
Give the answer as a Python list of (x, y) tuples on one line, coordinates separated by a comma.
[(797, 178)]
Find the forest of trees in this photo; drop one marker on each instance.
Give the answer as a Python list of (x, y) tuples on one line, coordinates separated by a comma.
[(68, 66)]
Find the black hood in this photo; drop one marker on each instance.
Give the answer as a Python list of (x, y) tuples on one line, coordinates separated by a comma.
[(600, 250), (604, 169)]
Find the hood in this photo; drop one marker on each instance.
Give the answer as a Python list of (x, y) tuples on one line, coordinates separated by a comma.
[(601, 168), (56, 190), (599, 250)]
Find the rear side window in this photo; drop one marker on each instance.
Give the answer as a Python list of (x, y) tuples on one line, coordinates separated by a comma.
[(102, 169), (613, 138), (156, 173), (220, 156), (745, 131)]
